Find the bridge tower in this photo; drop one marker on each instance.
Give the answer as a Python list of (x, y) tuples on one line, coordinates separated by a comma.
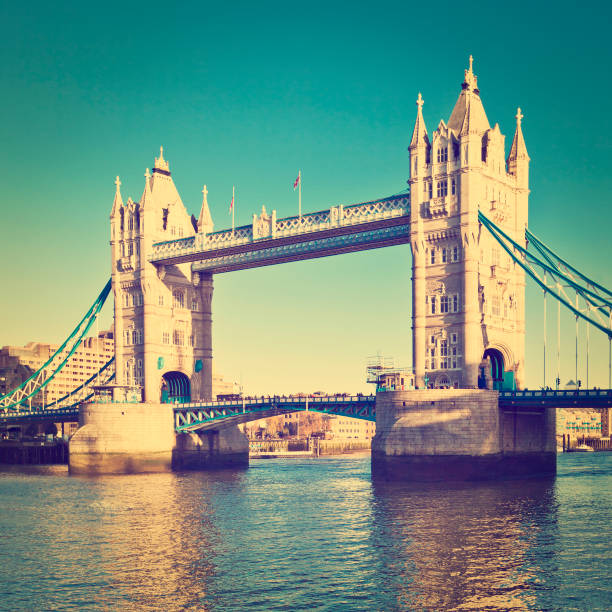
[(163, 324), (468, 314)]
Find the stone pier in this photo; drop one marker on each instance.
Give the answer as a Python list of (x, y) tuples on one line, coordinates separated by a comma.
[(132, 438), (459, 434)]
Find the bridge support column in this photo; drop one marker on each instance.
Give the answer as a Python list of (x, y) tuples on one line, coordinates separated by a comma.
[(201, 383), (459, 434), (228, 447), (126, 438)]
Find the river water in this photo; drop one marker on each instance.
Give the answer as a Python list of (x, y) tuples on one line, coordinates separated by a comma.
[(306, 534)]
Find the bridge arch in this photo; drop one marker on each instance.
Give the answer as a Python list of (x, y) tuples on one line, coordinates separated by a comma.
[(175, 388), (502, 365)]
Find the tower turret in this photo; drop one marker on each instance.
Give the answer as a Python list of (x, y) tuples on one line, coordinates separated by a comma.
[(518, 159), (205, 222)]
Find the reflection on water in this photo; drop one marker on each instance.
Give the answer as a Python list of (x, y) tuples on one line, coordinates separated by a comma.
[(306, 535), (468, 547)]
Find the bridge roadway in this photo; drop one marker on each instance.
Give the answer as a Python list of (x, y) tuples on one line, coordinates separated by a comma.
[(202, 416)]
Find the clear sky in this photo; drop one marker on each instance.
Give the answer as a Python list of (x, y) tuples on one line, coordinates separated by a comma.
[(247, 93)]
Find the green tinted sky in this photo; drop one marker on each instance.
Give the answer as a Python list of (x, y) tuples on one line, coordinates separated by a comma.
[(247, 93)]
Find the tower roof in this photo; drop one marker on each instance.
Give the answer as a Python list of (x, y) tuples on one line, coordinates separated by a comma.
[(205, 222), (518, 150), (469, 115), (419, 134)]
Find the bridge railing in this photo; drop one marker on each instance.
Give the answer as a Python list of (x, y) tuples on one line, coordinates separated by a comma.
[(336, 216)]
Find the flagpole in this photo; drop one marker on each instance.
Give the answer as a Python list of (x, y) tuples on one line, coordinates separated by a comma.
[(233, 206), (300, 193)]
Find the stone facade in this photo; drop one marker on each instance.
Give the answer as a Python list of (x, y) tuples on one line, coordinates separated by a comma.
[(163, 321), (468, 297)]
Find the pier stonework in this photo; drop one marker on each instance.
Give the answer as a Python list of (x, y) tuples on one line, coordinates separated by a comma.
[(468, 309), (131, 438), (459, 434)]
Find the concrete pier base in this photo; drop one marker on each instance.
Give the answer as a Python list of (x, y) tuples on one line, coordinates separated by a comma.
[(131, 438), (459, 434), (228, 447)]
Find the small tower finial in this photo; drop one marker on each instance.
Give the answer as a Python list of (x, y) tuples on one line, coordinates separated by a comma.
[(519, 116), (147, 174), (419, 101), (160, 162), (205, 191), (118, 183), (471, 62), (161, 149)]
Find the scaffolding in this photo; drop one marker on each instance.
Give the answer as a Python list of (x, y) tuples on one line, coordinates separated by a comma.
[(382, 372)]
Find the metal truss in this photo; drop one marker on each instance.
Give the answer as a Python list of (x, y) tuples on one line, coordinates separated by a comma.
[(590, 301), (16, 398), (310, 249), (205, 246), (587, 398), (214, 415)]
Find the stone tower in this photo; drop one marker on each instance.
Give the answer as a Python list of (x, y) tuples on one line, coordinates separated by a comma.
[(163, 339), (468, 311)]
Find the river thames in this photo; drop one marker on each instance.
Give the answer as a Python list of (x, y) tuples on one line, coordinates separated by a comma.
[(306, 534)]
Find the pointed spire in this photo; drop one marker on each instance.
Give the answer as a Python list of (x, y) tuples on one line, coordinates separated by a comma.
[(146, 194), (518, 150), (118, 202), (205, 222), (469, 115), (419, 134), (161, 163), (470, 80)]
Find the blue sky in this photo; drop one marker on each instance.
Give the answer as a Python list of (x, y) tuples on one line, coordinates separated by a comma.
[(247, 94)]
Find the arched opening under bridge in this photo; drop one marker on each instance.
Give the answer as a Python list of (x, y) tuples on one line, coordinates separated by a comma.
[(496, 359), (175, 388)]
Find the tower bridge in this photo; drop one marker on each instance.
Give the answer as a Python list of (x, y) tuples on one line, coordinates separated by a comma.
[(465, 217)]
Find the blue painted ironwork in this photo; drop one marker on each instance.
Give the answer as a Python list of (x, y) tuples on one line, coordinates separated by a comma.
[(314, 228), (583, 398), (47, 372), (549, 276), (212, 415)]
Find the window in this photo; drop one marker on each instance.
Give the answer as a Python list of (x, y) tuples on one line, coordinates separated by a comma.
[(432, 352), (433, 255), (433, 364), (444, 255), (433, 304), (179, 337), (430, 188), (126, 336), (444, 348), (444, 305), (455, 253), (166, 338), (495, 306), (455, 303), (454, 339), (194, 304), (442, 189), (134, 337), (495, 256), (190, 340), (160, 300), (432, 340), (453, 186), (178, 298), (442, 154)]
